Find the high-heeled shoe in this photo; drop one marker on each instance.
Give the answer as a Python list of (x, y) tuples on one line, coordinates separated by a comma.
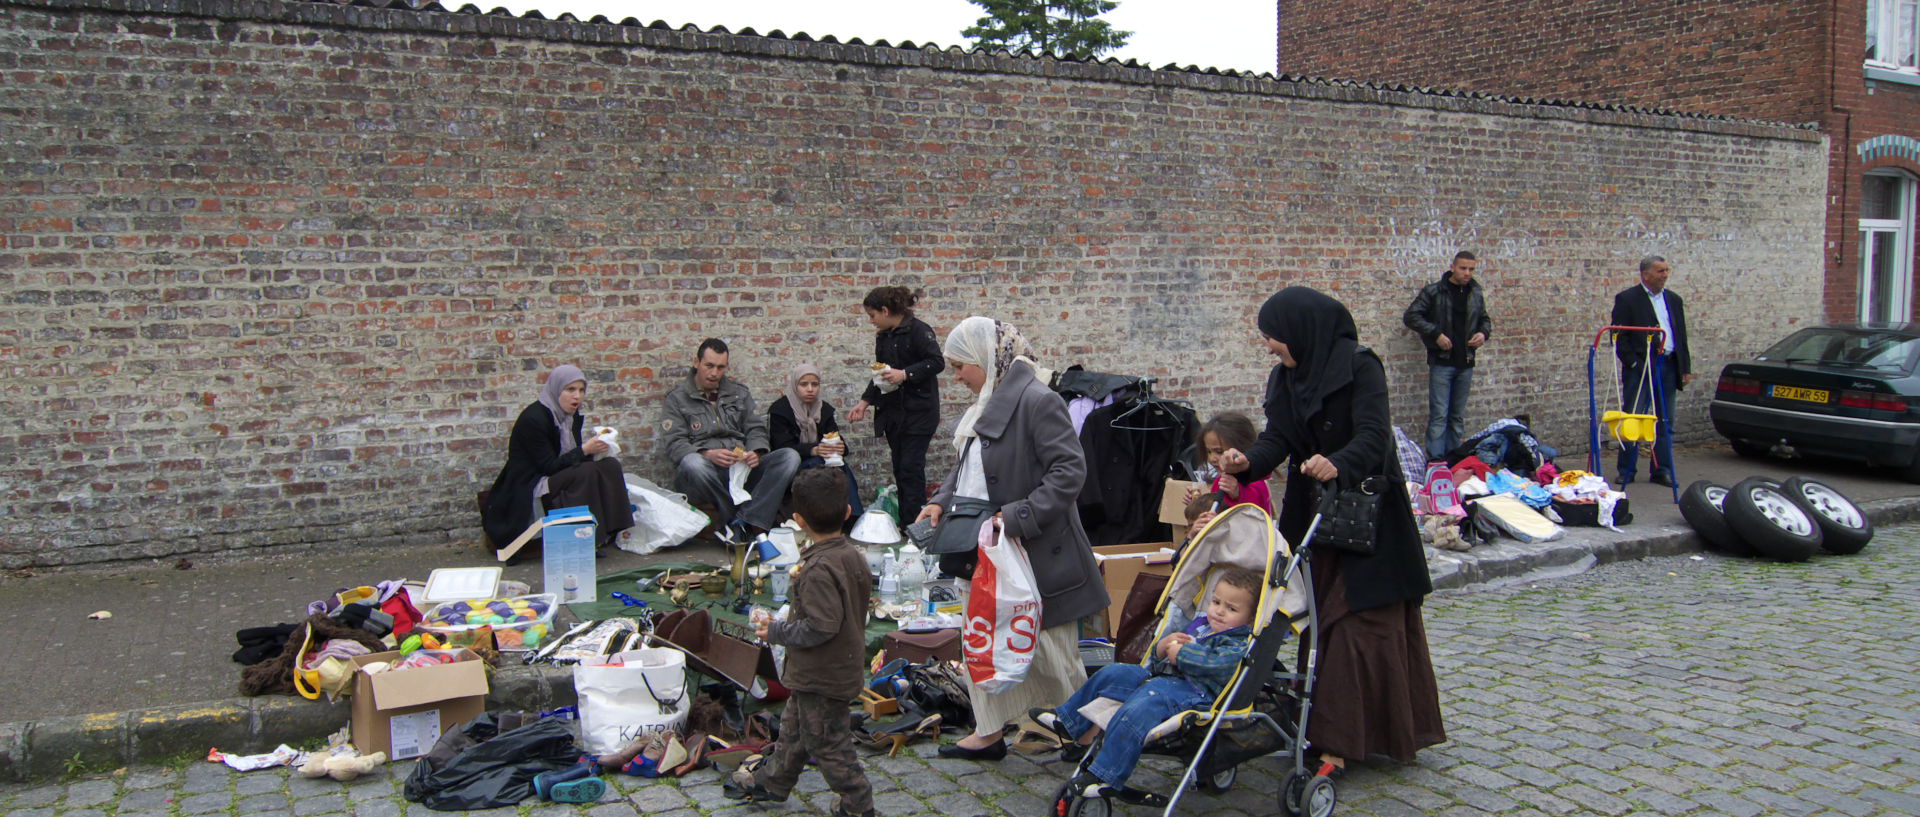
[(996, 750), (895, 736)]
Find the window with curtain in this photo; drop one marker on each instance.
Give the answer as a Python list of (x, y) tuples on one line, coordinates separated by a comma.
[(1893, 33)]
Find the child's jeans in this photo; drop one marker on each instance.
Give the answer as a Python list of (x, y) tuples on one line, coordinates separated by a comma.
[(1146, 700)]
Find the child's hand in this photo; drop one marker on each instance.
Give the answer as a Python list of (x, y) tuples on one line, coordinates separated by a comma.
[(1193, 493), (1201, 520), (893, 375), (858, 412), (1171, 644), (760, 630), (1229, 486)]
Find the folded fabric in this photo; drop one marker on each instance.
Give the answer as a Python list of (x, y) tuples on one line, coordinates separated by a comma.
[(1507, 482), (1515, 519)]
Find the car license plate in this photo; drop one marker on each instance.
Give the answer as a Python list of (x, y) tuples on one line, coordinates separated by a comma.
[(1792, 393)]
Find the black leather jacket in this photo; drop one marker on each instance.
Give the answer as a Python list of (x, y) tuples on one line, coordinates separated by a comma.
[(1432, 310)]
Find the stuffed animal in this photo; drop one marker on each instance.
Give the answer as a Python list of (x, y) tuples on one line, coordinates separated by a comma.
[(341, 764)]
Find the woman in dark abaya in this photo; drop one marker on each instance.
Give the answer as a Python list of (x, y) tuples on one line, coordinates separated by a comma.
[(549, 467), (1327, 418)]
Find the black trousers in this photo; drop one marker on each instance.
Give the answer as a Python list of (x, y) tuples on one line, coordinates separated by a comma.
[(599, 485), (910, 471)]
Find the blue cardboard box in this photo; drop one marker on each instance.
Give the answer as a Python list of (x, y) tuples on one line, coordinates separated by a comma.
[(567, 538)]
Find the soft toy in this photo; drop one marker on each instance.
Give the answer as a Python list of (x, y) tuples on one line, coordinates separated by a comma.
[(341, 764)]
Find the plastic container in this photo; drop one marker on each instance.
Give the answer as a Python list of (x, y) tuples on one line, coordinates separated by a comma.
[(519, 624)]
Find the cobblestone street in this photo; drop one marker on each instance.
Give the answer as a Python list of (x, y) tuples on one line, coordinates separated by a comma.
[(1688, 685)]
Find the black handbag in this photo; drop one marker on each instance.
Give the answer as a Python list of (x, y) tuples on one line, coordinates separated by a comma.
[(1350, 519), (959, 528)]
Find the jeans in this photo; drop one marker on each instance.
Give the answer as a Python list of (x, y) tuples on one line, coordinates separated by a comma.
[(704, 482), (853, 485), (1146, 700), (1447, 388), (1637, 401)]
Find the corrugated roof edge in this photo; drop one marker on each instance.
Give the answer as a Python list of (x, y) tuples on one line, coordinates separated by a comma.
[(468, 19)]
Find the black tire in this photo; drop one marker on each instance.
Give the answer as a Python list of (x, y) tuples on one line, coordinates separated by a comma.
[(1090, 807), (1752, 451), (1292, 786), (1844, 528), (1319, 798), (1220, 781), (1701, 505), (1760, 512)]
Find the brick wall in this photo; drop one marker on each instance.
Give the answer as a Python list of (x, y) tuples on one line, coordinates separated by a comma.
[(1778, 60), (283, 273)]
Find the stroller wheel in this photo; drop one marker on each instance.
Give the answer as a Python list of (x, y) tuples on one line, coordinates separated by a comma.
[(1090, 807), (1319, 797), (1292, 787), (1221, 780)]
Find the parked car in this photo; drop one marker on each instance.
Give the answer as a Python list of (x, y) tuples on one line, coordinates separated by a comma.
[(1842, 391)]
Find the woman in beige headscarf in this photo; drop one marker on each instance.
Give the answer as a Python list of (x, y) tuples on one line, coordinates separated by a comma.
[(1018, 451), (803, 421)]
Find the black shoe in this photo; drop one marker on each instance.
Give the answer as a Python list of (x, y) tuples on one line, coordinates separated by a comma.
[(994, 751), (1073, 751), (840, 812), (1662, 478), (1045, 717), (755, 793)]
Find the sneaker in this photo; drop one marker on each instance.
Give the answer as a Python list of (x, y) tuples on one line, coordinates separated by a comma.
[(752, 793)]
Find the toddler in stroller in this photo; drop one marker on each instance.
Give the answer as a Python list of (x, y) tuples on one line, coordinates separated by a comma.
[(1188, 670)]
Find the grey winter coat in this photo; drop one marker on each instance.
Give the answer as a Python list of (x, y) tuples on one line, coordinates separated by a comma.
[(690, 424), (1035, 468)]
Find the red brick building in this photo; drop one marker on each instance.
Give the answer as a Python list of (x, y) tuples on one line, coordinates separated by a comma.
[(1850, 66)]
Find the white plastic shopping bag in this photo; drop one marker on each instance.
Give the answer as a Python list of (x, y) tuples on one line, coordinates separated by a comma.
[(661, 518), (1003, 613), (627, 695), (737, 482)]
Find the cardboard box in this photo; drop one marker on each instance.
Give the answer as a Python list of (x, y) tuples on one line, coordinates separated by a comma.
[(404, 712), (567, 536), (1173, 502), (1120, 564)]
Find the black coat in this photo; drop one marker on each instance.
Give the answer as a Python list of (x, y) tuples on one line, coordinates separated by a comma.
[(1634, 307), (1354, 431), (532, 452), (914, 408), (1431, 315), (783, 429)]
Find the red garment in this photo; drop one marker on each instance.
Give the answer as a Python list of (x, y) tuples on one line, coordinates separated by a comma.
[(1547, 474), (1255, 493), (1474, 466)]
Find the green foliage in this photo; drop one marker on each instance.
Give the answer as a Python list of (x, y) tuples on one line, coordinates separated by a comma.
[(1063, 28)]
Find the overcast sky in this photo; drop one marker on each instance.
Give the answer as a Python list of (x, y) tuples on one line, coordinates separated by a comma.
[(1236, 34)]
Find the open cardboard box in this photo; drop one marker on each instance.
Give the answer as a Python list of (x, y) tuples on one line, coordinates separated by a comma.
[(404, 712), (1121, 564)]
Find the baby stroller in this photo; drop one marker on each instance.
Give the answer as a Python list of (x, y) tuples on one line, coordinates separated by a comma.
[(1263, 709)]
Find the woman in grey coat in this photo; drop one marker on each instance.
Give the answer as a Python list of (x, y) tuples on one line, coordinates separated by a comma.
[(1018, 451)]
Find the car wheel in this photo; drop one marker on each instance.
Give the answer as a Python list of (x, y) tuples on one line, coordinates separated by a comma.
[(1844, 528), (1752, 451), (1760, 512), (1701, 505)]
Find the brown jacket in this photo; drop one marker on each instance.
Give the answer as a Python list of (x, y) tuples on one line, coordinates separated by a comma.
[(825, 633)]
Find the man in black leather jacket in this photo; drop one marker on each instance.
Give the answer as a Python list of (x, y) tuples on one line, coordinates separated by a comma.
[(1450, 315)]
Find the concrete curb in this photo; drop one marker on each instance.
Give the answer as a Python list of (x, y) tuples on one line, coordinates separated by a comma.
[(53, 747)]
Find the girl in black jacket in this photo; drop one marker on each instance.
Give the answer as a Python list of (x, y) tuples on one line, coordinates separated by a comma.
[(800, 420), (907, 410), (548, 467)]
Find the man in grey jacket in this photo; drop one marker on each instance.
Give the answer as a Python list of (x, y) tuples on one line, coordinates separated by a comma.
[(708, 423), (1450, 315)]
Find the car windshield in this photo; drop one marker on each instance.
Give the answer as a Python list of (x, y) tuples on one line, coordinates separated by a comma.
[(1849, 348)]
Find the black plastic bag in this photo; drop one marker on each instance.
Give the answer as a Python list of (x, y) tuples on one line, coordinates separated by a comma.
[(479, 766)]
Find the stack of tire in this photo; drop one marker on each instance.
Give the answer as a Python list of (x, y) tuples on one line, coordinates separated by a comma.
[(1789, 521)]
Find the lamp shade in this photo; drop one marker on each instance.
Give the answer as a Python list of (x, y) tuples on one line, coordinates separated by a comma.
[(876, 527)]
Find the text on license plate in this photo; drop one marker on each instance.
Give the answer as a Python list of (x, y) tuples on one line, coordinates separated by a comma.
[(1792, 393)]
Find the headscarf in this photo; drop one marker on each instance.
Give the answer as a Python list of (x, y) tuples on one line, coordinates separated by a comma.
[(1320, 335), (558, 380), (804, 413), (992, 346)]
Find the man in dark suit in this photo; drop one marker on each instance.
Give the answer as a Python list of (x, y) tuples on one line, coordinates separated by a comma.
[(1651, 304)]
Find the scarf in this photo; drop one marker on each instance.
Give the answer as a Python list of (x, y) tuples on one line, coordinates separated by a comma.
[(992, 346), (1320, 335), (804, 413), (558, 380)]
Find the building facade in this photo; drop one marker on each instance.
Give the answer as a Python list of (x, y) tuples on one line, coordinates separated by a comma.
[(1851, 66)]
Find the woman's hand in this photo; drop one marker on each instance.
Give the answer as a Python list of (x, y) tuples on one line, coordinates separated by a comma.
[(594, 446), (932, 512), (1320, 468), (893, 375), (1233, 462), (858, 412)]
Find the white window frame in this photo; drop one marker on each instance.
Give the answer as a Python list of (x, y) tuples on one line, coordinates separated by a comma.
[(1883, 24), (1903, 228)]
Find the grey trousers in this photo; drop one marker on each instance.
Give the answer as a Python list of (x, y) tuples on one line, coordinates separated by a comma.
[(706, 484)]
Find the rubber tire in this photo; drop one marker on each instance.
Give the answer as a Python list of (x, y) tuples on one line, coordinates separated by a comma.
[(1747, 450), (1708, 520), (1215, 785), (1751, 523), (1319, 798), (1090, 807), (1836, 536), (1292, 785)]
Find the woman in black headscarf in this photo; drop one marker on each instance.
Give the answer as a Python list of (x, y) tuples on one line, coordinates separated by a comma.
[(551, 465), (1327, 417)]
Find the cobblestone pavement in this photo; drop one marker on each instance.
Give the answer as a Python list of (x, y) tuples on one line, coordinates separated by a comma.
[(1687, 685)]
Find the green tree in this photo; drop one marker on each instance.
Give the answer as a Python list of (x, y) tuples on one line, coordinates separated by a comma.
[(1063, 28)]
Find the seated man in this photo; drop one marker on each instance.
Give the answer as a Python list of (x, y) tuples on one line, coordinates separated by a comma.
[(708, 423), (1188, 671)]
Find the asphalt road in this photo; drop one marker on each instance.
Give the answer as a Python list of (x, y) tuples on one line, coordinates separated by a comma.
[(1702, 685)]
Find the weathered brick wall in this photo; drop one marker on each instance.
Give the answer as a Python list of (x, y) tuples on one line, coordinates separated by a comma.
[(281, 273)]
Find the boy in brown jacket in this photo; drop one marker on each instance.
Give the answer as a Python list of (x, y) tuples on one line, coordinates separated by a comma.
[(825, 637)]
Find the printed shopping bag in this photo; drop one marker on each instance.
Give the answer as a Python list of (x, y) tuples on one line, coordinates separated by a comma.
[(630, 694), (1003, 613)]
